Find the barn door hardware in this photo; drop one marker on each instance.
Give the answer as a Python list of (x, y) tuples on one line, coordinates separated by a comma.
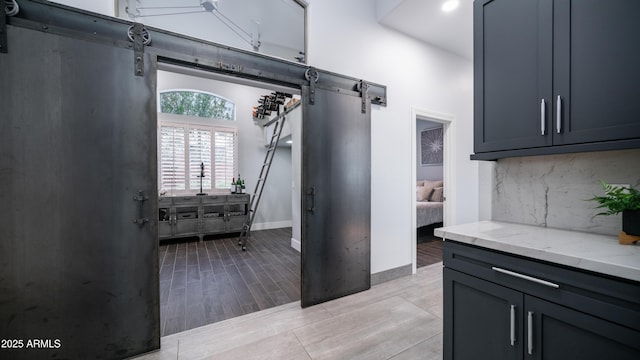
[(11, 8), (312, 77), (363, 89), (140, 198), (140, 37), (3, 33)]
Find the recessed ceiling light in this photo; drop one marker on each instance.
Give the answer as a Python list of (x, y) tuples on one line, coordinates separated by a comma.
[(450, 5), (289, 142)]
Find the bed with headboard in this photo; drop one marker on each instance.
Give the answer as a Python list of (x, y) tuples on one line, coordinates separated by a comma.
[(429, 202)]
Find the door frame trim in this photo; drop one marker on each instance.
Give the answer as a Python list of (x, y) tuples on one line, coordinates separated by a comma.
[(449, 172)]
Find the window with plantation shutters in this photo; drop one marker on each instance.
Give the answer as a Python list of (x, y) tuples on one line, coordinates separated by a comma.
[(172, 157), (192, 134), (184, 148)]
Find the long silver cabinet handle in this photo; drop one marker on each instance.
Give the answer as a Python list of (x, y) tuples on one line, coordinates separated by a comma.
[(559, 114), (525, 277), (512, 328), (530, 332), (543, 125)]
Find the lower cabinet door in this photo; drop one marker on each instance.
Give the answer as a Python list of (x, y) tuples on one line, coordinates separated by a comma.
[(214, 225), (482, 320), (186, 227), (560, 333), (164, 229)]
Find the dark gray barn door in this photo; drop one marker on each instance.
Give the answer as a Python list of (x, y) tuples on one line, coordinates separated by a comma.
[(78, 141), (336, 177)]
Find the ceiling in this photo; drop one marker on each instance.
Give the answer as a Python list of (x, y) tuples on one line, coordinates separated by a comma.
[(424, 20)]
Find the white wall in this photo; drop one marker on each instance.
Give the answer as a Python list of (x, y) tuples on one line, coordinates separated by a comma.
[(430, 172), (275, 205), (344, 37), (105, 7)]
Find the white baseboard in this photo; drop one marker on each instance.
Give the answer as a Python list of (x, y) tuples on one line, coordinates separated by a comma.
[(296, 244), (271, 225)]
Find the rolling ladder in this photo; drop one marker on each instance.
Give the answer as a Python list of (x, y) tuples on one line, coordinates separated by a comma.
[(264, 172)]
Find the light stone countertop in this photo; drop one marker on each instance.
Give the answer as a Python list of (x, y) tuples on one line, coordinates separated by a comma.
[(594, 252)]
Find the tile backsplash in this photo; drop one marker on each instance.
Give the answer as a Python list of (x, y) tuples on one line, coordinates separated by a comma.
[(552, 190)]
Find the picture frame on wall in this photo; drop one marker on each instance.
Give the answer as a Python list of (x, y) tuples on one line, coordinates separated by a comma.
[(431, 147)]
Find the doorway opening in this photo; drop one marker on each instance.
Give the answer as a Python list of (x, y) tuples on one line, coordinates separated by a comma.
[(433, 180), (208, 278)]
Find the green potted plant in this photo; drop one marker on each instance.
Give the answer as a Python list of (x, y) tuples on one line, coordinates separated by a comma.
[(621, 199)]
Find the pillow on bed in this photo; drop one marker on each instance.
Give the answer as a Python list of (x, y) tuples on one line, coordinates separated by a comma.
[(433, 183), (420, 183), (436, 194), (423, 193)]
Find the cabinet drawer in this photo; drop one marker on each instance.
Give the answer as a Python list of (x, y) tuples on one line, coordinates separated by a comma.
[(213, 199), (186, 200), (239, 198), (617, 300), (164, 201)]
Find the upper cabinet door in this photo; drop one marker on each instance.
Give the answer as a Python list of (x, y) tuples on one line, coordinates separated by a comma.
[(512, 74), (596, 70)]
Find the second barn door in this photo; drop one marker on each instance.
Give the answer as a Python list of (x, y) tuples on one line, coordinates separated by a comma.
[(336, 180)]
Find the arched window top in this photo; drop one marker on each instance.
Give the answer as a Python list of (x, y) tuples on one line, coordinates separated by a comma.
[(196, 103)]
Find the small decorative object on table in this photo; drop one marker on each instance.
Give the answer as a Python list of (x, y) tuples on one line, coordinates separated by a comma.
[(625, 200), (201, 176)]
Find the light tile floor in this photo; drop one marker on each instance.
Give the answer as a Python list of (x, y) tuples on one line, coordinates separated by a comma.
[(399, 319)]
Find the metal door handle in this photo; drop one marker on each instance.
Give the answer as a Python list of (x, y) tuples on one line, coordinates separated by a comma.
[(512, 328), (525, 277), (543, 125), (530, 332), (312, 193), (559, 114)]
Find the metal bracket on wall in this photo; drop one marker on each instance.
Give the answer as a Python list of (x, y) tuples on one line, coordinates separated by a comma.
[(140, 37), (363, 89), (312, 77)]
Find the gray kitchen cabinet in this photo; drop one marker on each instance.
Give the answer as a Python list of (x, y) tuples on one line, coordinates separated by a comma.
[(500, 306), (555, 76), (184, 216)]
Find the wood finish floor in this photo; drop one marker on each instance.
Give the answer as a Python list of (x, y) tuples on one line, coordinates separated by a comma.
[(210, 281), (205, 282), (429, 247), (399, 319)]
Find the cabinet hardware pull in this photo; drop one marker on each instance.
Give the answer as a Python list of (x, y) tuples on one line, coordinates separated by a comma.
[(512, 328), (542, 117), (525, 277), (559, 114), (530, 332)]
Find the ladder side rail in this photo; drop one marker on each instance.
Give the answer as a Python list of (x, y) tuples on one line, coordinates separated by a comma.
[(257, 195)]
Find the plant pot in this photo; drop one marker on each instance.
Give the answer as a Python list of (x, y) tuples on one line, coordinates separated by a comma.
[(631, 222)]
